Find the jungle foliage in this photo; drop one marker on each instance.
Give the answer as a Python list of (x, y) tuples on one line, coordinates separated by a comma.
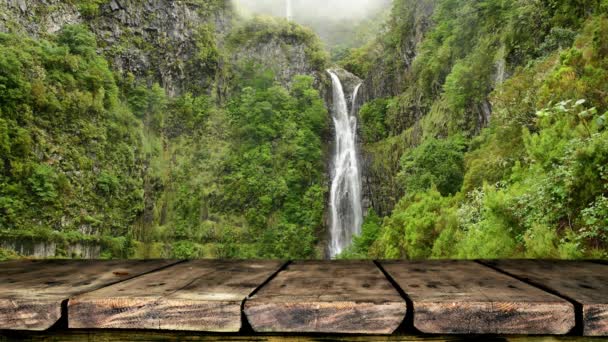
[(500, 124), (90, 156), (487, 138)]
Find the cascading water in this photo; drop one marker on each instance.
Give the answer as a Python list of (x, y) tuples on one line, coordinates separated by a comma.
[(345, 195)]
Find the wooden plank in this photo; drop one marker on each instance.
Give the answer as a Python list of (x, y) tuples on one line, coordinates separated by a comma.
[(172, 336), (79, 335), (327, 297), (583, 282), (464, 297), (199, 295), (32, 291)]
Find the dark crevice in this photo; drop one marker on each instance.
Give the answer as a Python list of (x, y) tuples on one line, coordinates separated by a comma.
[(407, 326), (578, 307), (601, 262), (62, 323), (246, 328)]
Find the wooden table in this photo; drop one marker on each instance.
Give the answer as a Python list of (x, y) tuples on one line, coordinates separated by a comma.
[(400, 300)]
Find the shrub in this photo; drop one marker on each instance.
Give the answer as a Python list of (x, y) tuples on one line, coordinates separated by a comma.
[(373, 120), (438, 162)]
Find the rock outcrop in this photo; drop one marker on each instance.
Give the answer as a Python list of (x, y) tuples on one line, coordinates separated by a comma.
[(387, 77), (155, 40)]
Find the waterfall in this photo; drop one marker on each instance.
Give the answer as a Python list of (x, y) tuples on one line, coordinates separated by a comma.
[(345, 195), (501, 65), (288, 10)]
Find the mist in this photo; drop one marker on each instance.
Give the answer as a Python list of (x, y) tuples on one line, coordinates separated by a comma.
[(335, 21), (306, 10)]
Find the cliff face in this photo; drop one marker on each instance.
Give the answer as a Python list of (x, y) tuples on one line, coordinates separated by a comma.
[(155, 40), (162, 40), (37, 18), (285, 60), (387, 77), (281, 47)]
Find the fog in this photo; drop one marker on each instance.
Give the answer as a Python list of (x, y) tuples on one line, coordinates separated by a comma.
[(336, 21), (307, 10)]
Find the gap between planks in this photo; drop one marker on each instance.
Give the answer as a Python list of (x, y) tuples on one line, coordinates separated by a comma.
[(585, 285), (578, 307), (245, 325), (33, 292), (408, 321), (197, 295)]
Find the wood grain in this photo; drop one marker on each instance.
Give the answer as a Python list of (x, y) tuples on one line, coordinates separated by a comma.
[(200, 295), (464, 297), (584, 282), (327, 297), (173, 336), (32, 291)]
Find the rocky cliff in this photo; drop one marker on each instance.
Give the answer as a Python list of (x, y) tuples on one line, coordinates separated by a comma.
[(155, 40), (387, 77), (163, 41)]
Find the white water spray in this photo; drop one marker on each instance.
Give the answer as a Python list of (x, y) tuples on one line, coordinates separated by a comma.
[(345, 195)]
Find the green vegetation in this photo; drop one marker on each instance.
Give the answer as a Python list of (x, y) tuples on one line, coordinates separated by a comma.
[(487, 140), (262, 29), (7, 254), (373, 116), (89, 8), (434, 162), (110, 160), (242, 181), (528, 181), (68, 144), (275, 171)]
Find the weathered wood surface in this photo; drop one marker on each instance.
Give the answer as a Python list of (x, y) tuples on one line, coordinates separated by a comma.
[(341, 297), (327, 297), (32, 291), (583, 282), (464, 297), (161, 336), (200, 295)]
